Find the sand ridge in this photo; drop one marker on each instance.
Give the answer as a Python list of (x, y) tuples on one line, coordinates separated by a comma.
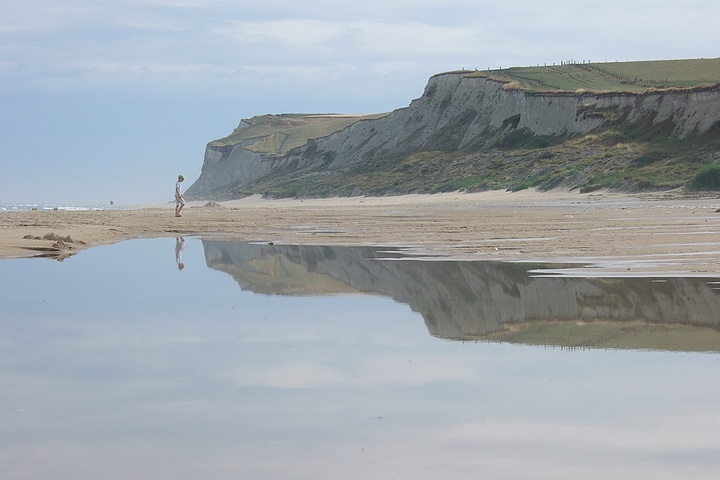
[(650, 234)]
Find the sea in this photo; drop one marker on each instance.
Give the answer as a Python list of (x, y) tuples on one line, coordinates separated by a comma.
[(21, 207)]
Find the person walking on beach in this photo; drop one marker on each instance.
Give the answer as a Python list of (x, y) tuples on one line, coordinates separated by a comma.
[(179, 198)]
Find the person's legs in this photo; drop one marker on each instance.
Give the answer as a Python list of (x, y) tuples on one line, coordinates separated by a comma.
[(179, 204)]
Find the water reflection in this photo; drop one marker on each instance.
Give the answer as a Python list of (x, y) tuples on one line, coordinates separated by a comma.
[(179, 247), (495, 301), (109, 370)]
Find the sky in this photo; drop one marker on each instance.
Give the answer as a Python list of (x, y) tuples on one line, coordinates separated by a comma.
[(109, 100)]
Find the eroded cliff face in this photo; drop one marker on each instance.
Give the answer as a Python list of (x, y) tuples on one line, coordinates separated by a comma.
[(225, 167), (461, 113)]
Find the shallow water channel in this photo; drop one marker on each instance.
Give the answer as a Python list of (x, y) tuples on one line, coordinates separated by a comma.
[(190, 359)]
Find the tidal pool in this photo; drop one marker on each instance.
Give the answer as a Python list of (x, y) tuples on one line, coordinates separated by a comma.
[(277, 362)]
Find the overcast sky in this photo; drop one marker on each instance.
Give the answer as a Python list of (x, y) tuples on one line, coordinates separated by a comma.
[(106, 100)]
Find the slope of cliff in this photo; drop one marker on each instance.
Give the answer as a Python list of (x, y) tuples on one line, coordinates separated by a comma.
[(487, 130), (243, 156)]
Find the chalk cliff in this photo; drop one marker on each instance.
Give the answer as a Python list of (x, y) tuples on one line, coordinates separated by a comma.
[(459, 115)]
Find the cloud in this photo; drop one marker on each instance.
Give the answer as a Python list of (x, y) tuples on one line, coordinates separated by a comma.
[(293, 33), (421, 38), (377, 37)]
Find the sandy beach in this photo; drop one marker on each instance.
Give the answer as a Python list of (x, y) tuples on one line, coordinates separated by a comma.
[(664, 234)]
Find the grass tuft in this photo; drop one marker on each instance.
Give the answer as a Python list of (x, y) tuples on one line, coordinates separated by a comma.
[(706, 179)]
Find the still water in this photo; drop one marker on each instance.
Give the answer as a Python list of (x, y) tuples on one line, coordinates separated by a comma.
[(286, 362)]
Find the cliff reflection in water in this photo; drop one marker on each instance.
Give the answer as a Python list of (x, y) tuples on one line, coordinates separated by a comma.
[(493, 301)]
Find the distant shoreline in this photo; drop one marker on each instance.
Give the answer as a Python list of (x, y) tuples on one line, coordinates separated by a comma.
[(22, 207)]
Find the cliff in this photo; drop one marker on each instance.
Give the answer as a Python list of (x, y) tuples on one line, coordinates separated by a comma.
[(244, 156), (471, 132)]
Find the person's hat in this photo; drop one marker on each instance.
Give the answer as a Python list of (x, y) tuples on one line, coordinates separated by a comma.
[(181, 177)]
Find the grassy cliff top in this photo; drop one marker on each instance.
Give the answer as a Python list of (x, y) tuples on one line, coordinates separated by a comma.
[(633, 77), (278, 134)]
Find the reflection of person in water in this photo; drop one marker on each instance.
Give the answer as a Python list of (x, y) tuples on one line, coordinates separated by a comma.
[(179, 245)]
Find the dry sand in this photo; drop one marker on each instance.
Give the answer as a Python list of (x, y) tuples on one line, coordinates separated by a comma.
[(664, 234)]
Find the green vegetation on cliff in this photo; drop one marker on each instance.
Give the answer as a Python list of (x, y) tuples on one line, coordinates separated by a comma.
[(278, 134), (633, 77)]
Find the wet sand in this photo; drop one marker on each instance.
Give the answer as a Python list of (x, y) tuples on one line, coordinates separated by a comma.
[(663, 234)]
